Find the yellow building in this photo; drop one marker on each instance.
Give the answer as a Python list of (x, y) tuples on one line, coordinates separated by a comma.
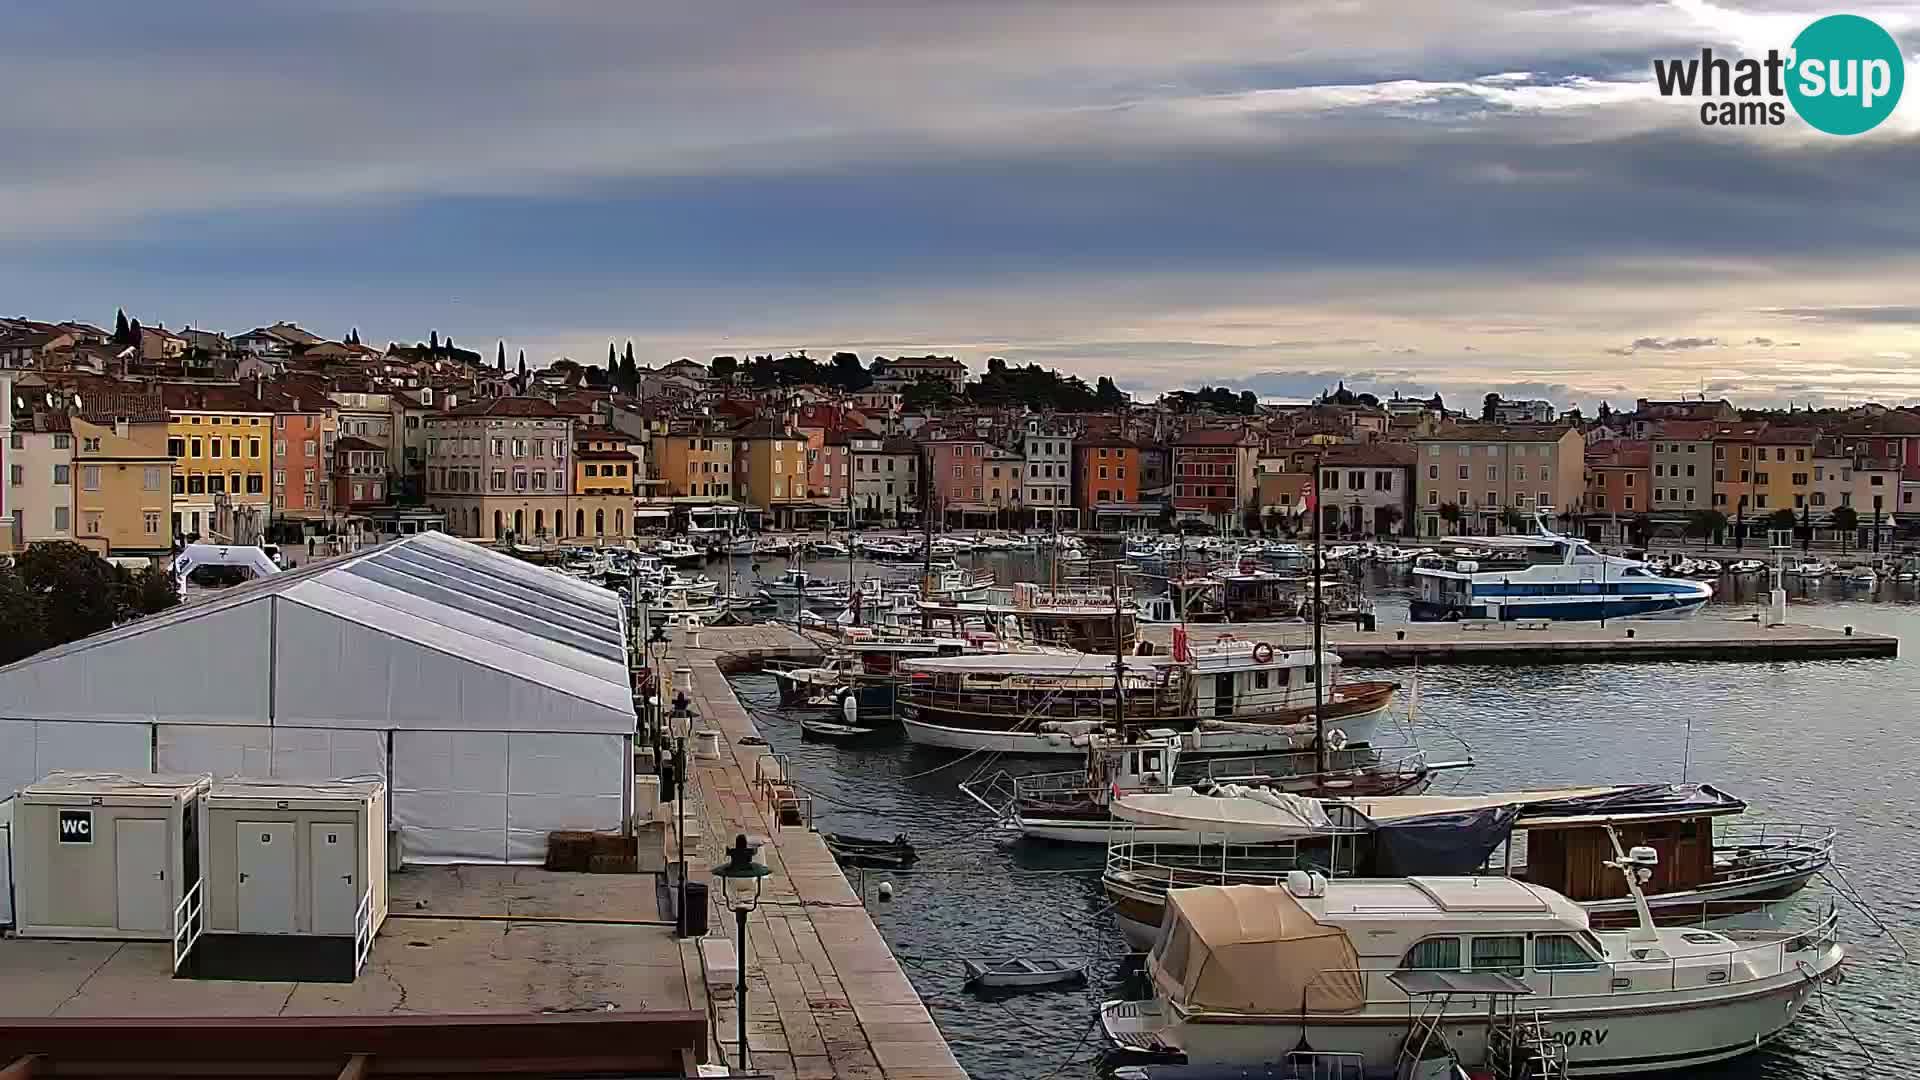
[(1783, 469), (603, 478), (220, 439), (123, 488), (693, 463), (770, 462)]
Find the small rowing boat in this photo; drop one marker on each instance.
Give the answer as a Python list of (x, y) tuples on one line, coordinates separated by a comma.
[(851, 850), (1021, 972)]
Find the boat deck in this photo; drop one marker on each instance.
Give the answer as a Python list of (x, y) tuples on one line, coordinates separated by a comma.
[(1638, 640)]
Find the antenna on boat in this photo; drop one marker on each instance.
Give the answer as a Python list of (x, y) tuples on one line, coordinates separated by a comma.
[(1319, 680)]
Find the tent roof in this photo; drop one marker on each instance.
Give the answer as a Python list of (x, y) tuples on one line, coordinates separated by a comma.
[(1253, 949), (441, 594)]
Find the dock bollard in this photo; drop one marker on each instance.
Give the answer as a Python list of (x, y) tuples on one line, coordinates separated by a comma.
[(1629, 631), (1849, 631), (1399, 635)]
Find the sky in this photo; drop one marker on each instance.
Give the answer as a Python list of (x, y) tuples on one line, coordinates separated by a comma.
[(1454, 197)]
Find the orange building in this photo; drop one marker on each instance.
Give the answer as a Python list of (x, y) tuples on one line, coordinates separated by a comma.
[(1106, 481), (301, 463)]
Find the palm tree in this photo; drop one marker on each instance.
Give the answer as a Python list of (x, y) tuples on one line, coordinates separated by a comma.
[(1708, 525), (1450, 514), (1845, 520)]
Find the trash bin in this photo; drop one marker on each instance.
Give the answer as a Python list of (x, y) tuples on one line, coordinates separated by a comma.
[(693, 918)]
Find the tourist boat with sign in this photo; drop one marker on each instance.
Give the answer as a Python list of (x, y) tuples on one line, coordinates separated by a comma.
[(1084, 619), (1376, 969), (1230, 697), (1709, 867), (1564, 578), (1073, 806)]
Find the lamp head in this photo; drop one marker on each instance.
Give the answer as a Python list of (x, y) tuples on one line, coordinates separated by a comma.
[(741, 874)]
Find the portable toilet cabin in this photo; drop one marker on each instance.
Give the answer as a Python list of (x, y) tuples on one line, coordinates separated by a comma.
[(296, 878), (106, 855)]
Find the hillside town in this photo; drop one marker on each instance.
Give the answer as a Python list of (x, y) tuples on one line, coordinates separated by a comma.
[(134, 440)]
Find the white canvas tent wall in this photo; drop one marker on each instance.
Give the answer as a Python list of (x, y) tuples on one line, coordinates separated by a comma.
[(492, 695)]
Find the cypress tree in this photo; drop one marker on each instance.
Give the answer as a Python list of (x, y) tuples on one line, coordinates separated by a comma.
[(500, 358), (433, 340), (120, 329), (523, 367)]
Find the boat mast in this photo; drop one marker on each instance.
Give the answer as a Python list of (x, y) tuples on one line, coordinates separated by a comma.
[(1319, 676), (1119, 663), (853, 593)]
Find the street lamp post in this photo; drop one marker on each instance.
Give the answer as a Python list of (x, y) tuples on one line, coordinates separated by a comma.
[(681, 721), (740, 877)]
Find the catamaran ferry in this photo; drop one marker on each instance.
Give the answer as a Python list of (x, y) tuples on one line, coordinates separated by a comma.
[(1563, 579)]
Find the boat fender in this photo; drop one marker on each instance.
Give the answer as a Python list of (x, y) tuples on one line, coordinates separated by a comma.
[(850, 708), (886, 890), (1263, 653), (1336, 740)]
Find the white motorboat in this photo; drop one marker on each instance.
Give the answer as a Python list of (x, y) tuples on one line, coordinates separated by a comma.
[(1380, 968), (827, 549), (1812, 570), (1232, 697), (1746, 566), (801, 583), (1862, 576), (1554, 577), (678, 552), (741, 545)]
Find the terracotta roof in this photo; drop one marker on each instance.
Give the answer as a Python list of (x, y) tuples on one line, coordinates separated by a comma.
[(134, 407), (355, 442), (1375, 453), (764, 429), (602, 455), (1788, 436), (187, 397), (1499, 433), (509, 406), (1217, 437), (1691, 430), (1885, 424)]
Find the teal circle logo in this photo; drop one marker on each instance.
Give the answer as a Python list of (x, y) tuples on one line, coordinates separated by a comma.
[(1847, 74)]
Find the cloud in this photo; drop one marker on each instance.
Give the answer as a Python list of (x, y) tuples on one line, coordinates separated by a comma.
[(1657, 344), (1898, 314)]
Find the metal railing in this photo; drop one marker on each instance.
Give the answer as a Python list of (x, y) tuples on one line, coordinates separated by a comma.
[(363, 930), (1771, 847), (189, 920)]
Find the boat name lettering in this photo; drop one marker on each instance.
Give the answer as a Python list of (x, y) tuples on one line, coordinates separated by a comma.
[(1580, 1037)]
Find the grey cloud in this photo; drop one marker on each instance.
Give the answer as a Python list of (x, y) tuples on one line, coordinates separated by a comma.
[(1889, 314), (1657, 344)]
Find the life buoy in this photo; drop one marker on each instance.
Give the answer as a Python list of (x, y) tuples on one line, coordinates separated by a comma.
[(1336, 740), (1263, 653)]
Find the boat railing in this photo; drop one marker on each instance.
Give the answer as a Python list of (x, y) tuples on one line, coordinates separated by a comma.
[(1216, 863), (1038, 703), (1614, 980), (1770, 847)]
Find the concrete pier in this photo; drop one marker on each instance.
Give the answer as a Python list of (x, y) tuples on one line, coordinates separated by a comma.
[(825, 996)]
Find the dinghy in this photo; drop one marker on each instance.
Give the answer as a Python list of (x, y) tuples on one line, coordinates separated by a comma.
[(1020, 972)]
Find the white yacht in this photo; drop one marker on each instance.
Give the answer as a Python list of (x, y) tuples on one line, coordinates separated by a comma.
[(1374, 968), (800, 583), (1550, 576)]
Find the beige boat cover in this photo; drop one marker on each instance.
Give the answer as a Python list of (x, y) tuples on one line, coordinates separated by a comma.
[(1253, 949)]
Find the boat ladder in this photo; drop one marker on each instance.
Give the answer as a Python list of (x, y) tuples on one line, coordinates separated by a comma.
[(1519, 1048)]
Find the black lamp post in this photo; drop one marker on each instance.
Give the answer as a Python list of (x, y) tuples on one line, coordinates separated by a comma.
[(1877, 499), (1740, 525), (740, 877)]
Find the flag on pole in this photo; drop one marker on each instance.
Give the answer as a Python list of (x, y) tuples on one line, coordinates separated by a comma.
[(1307, 493), (1181, 653)]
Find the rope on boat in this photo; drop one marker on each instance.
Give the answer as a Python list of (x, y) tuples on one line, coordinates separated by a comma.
[(1819, 990), (1847, 891)]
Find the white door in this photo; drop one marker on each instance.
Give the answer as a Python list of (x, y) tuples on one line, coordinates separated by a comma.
[(335, 886), (266, 877), (140, 874)]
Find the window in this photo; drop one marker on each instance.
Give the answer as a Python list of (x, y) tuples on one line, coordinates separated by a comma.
[(1719, 453), (1505, 953), (499, 479), (196, 484), (1629, 502), (1759, 478), (253, 448), (1760, 501), (1600, 502), (213, 447), (1493, 499), (1461, 499), (1433, 498), (179, 484), (255, 483), (234, 446), (1493, 473), (61, 474), (1465, 474), (177, 447), (60, 519), (19, 475), (1875, 481), (1689, 494), (1779, 453), (1433, 472), (1560, 952), (307, 478), (1433, 954), (90, 478), (153, 523), (216, 484), (1629, 479), (1689, 469), (1520, 473), (63, 442), (1260, 679), (308, 447), (155, 478)]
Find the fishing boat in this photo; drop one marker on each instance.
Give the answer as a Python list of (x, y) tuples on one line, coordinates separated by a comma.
[(1345, 967), (852, 850), (1022, 973), (1088, 620), (956, 585), (1708, 868), (798, 583), (1074, 806), (1560, 578), (1230, 697), (817, 729)]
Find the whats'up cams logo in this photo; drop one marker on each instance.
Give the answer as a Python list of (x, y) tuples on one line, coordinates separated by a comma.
[(1843, 75)]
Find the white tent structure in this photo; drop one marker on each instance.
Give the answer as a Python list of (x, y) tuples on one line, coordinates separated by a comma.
[(491, 695)]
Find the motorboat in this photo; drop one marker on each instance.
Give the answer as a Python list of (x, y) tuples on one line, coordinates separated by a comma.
[(741, 546), (798, 583), (1559, 578), (1074, 806), (1378, 969), (955, 585), (776, 545), (852, 850), (826, 549), (1712, 865), (1863, 576), (1022, 973), (1810, 570), (678, 552), (1231, 697), (1746, 566)]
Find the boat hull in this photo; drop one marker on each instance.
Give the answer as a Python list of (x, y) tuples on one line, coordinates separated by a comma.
[(1563, 610), (1359, 728), (1600, 1037)]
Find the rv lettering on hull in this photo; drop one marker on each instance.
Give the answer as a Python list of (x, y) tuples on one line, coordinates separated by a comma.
[(1580, 1037)]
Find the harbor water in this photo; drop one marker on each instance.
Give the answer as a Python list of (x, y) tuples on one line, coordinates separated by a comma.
[(1830, 742)]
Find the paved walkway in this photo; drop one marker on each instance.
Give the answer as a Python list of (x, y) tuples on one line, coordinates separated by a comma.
[(825, 997)]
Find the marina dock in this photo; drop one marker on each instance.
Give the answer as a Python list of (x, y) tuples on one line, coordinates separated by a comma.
[(825, 996), (1628, 641)]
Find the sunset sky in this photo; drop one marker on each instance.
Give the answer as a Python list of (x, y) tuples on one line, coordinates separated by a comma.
[(1458, 197)]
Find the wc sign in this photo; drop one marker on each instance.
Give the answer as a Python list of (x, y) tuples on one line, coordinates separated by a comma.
[(76, 826)]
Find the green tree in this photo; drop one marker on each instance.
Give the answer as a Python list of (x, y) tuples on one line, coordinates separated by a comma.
[(1708, 525), (1487, 407), (1450, 513), (433, 341), (1513, 520), (75, 590), (1107, 395), (1845, 520), (1392, 515), (20, 613), (523, 369), (724, 367), (929, 393), (148, 592), (848, 373), (122, 333), (629, 380)]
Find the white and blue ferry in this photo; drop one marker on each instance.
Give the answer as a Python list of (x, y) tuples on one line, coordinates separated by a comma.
[(1549, 576)]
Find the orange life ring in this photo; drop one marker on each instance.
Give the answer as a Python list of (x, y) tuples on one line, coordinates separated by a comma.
[(1263, 653)]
